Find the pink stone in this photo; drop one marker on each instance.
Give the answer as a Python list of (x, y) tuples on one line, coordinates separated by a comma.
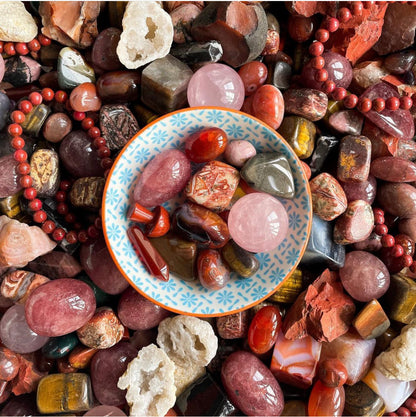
[(163, 177), (97, 263), (2, 68), (59, 307), (364, 276), (258, 222), (84, 98), (216, 85), (354, 352), (104, 410), (364, 190), (16, 334), (238, 152), (9, 177), (294, 361)]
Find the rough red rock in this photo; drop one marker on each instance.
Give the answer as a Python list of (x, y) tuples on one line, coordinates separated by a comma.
[(28, 377), (323, 311), (71, 23)]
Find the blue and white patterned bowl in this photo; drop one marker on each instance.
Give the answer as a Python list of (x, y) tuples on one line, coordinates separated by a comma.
[(186, 297)]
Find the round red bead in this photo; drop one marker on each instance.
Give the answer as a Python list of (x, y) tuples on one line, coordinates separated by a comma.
[(322, 35), (316, 48), (403, 411), (406, 103), (392, 103), (71, 237), (82, 236), (378, 104), (378, 212), (65, 185), (30, 193), (318, 62), (339, 93), (381, 229), (410, 403), (62, 208), (344, 14), (350, 101), (26, 181), (357, 8), (98, 223), (98, 142), (94, 132), (25, 106), (106, 163), (23, 168), (9, 48), (93, 232), (40, 216), (78, 115), (17, 142), (1, 47), (18, 116), (387, 241), (15, 129), (35, 98), (321, 75), (397, 250), (58, 234), (20, 155), (35, 204), (48, 94), (48, 227), (365, 105), (60, 196), (104, 151), (70, 218), (61, 96), (332, 24), (328, 87), (21, 48), (87, 123), (407, 260), (34, 45), (43, 40)]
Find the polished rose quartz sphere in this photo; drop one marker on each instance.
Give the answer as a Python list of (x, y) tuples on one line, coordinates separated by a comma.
[(16, 334), (238, 152), (364, 276), (216, 85), (258, 222)]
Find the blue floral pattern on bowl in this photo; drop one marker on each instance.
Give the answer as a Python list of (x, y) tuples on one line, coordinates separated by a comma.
[(178, 295)]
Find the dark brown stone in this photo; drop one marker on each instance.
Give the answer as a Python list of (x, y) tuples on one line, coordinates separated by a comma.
[(86, 193), (56, 265)]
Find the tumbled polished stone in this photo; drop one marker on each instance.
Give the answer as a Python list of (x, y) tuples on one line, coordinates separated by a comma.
[(196, 52), (213, 273), (300, 134), (119, 86), (58, 347), (72, 69), (21, 70), (371, 322), (9, 176), (306, 102), (74, 388), (56, 265), (178, 253), (399, 199), (268, 105), (244, 263), (45, 173), (290, 289), (4, 107), (164, 84), (270, 173), (363, 190), (84, 98), (321, 247), (324, 148), (117, 124), (347, 122), (233, 326), (281, 75), (326, 401), (12, 208), (361, 400), (79, 156), (56, 127), (399, 169), (35, 119), (103, 54), (86, 193)]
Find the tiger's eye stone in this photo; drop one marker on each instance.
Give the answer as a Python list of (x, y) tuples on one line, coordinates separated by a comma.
[(361, 400), (206, 144), (294, 408), (58, 347), (306, 102), (371, 321), (212, 272), (164, 84), (64, 393), (119, 86), (35, 119), (401, 299), (56, 127), (326, 401), (354, 159), (103, 54), (328, 198), (270, 173), (243, 262), (84, 98), (300, 134), (117, 124), (178, 253), (233, 326), (45, 172), (72, 69), (290, 289), (86, 193)]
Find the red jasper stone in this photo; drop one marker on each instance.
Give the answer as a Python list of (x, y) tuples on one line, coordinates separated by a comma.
[(212, 271), (326, 401), (160, 224), (151, 258), (399, 169), (264, 329), (332, 373), (206, 144), (254, 75), (268, 105)]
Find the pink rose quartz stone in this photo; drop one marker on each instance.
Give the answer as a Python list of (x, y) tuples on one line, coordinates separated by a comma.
[(258, 222), (163, 177), (238, 152)]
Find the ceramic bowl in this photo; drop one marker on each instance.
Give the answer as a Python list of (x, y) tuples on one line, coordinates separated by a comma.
[(177, 295)]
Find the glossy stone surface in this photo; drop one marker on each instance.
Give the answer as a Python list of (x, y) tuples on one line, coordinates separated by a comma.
[(56, 127), (328, 198), (361, 400), (21, 70), (56, 265), (300, 134), (16, 334), (363, 267), (118, 86), (354, 352), (75, 388), (245, 379), (347, 122), (87, 193), (200, 225), (206, 144), (355, 224), (58, 347), (216, 85), (213, 273), (244, 263), (270, 173), (332, 373), (204, 398), (138, 313), (294, 408), (72, 69), (35, 119), (117, 125), (78, 155), (400, 169), (106, 368), (258, 222), (59, 307), (163, 177), (164, 84), (9, 176), (321, 247), (104, 410), (213, 186), (238, 152), (326, 401), (84, 98), (233, 326), (294, 361), (254, 75), (150, 257), (103, 53), (196, 52), (80, 357), (398, 123), (371, 322), (306, 102), (45, 173), (290, 288), (268, 105), (363, 190), (4, 104)]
